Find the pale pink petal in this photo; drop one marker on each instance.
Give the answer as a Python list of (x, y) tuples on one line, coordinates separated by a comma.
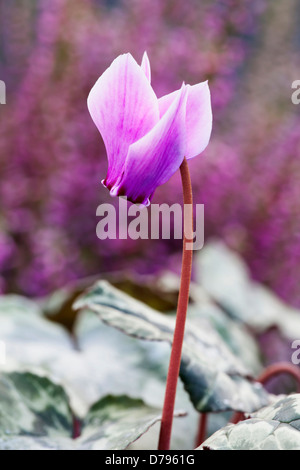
[(198, 117), (153, 159), (146, 66), (165, 102), (124, 107)]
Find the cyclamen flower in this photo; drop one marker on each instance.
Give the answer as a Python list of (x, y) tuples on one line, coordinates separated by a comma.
[(146, 138)]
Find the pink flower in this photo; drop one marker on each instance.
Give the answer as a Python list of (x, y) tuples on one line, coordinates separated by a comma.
[(146, 138)]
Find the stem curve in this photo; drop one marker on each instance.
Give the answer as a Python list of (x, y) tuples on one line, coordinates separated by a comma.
[(272, 371)]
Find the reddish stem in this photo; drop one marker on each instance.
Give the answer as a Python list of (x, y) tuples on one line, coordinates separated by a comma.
[(280, 368), (183, 299), (76, 427), (202, 429), (266, 375), (237, 417)]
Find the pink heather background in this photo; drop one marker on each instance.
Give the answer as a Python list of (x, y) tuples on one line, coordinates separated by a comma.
[(52, 158)]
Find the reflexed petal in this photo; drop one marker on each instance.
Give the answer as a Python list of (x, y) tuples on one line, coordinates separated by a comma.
[(198, 117), (146, 66), (124, 107), (153, 159), (165, 102)]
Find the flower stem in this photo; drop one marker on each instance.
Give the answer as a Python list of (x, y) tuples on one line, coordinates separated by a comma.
[(202, 429), (76, 427), (183, 299)]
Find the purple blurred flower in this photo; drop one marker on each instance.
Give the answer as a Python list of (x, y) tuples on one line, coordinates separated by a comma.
[(249, 181), (146, 138)]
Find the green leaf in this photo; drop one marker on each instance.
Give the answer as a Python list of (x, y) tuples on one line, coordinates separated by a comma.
[(105, 362), (120, 363), (117, 362), (225, 277), (276, 427), (35, 415), (35, 344), (214, 377), (36, 443), (116, 422), (33, 406), (30, 338), (16, 304), (235, 335)]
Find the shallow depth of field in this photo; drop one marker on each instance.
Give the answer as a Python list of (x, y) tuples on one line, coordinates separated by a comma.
[(85, 324)]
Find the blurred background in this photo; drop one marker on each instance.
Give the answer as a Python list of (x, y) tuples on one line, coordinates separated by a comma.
[(52, 158)]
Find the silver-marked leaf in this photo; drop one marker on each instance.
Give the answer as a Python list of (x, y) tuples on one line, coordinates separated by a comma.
[(235, 335), (35, 415), (275, 427), (28, 336), (120, 363), (215, 379), (226, 278), (33, 343), (113, 423), (116, 422), (36, 443), (33, 406), (16, 304), (105, 362), (117, 362)]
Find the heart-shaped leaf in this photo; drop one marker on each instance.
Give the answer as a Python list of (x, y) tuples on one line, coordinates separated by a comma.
[(35, 415), (116, 422), (226, 278), (215, 379), (33, 406), (275, 427), (29, 338), (104, 362)]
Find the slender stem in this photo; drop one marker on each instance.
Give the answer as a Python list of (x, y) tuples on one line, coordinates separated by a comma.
[(76, 427), (202, 429), (183, 299)]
